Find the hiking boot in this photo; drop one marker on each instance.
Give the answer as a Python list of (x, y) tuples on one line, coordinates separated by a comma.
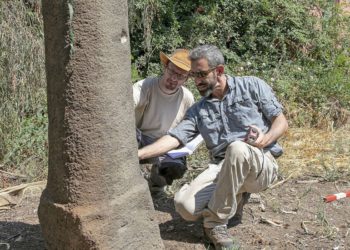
[(155, 179), (155, 190), (156, 183), (237, 218), (219, 237)]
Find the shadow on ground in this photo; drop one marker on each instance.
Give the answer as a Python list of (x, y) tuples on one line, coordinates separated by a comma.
[(18, 235), (175, 229)]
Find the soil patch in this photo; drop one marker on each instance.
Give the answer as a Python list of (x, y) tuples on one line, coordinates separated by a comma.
[(290, 216)]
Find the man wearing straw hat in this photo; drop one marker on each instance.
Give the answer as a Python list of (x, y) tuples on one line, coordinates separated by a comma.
[(160, 104)]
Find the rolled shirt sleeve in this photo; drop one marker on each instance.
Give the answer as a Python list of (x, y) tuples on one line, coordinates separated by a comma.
[(187, 129), (267, 100)]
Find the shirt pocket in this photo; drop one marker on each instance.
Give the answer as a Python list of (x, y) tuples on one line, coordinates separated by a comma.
[(207, 123), (241, 111)]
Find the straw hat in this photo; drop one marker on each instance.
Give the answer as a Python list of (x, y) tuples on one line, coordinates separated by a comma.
[(179, 58)]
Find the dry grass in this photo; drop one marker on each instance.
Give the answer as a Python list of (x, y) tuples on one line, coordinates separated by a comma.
[(309, 154), (318, 153)]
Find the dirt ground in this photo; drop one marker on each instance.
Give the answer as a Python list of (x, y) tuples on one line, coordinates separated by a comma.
[(292, 215)]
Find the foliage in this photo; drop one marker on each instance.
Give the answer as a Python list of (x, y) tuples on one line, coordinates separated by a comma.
[(300, 47), (23, 124)]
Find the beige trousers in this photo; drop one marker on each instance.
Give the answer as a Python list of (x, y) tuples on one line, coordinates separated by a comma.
[(214, 194)]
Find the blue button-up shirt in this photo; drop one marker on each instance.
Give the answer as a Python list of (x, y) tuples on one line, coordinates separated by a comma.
[(248, 101)]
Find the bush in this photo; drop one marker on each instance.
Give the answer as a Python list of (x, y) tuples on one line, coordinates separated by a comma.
[(301, 48)]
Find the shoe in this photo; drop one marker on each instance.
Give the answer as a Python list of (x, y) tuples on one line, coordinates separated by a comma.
[(155, 184), (156, 190), (155, 179), (237, 218), (219, 237)]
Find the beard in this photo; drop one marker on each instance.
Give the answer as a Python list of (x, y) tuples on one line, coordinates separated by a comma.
[(208, 90), (171, 86), (206, 86)]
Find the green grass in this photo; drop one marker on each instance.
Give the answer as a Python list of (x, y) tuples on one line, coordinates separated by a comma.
[(23, 124)]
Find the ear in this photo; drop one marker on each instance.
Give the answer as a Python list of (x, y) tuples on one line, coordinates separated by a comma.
[(220, 69)]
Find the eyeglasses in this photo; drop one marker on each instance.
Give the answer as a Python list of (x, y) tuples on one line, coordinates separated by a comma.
[(178, 76), (200, 74)]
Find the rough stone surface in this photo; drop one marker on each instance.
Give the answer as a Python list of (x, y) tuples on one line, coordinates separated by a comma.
[(95, 197)]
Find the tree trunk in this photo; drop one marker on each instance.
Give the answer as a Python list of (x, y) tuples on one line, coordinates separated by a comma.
[(95, 196)]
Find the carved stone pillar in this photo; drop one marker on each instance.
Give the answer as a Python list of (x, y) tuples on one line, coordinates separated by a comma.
[(95, 196)]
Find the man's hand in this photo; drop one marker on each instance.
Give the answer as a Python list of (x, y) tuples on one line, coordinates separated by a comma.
[(159, 147), (278, 127), (263, 139)]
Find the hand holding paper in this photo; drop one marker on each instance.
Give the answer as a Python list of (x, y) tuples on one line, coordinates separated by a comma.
[(188, 149)]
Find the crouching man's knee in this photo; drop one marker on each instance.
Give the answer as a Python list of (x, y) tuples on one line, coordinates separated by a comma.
[(185, 207), (237, 150)]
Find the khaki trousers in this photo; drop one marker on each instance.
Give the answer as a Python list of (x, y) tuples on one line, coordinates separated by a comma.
[(214, 194)]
